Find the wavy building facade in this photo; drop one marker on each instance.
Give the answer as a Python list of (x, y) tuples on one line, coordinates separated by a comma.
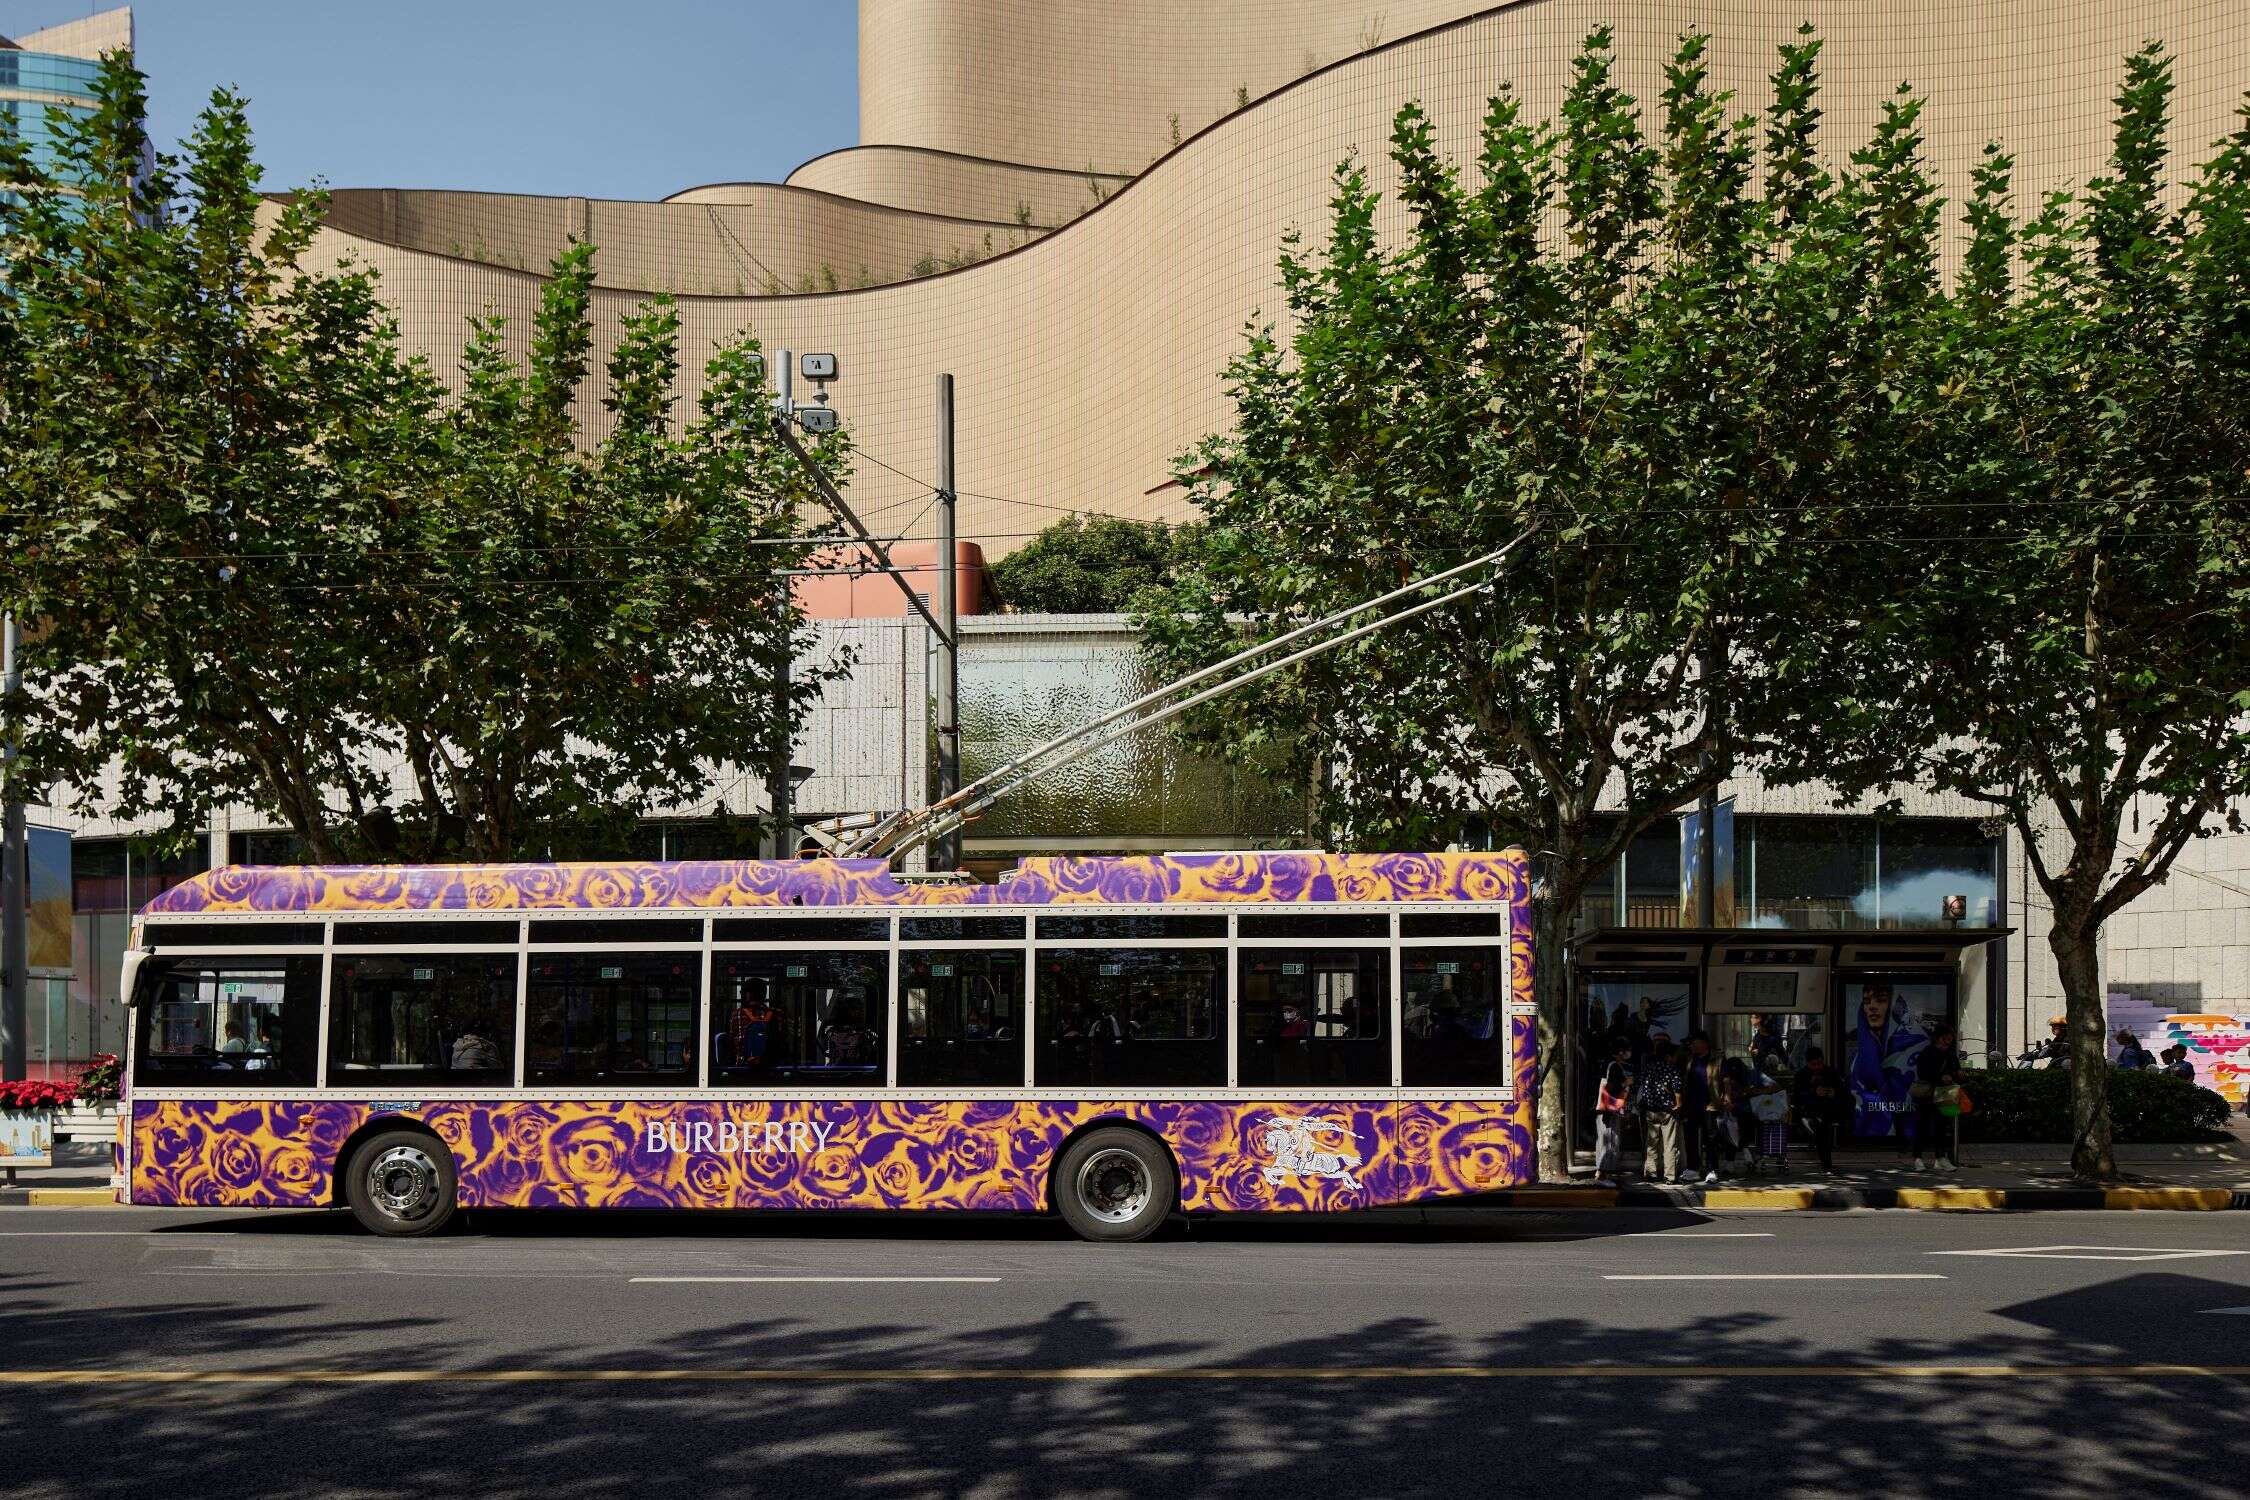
[(1085, 277)]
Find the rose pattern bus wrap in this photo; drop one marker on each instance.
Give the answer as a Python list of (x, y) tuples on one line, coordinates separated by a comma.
[(868, 1153), (722, 883)]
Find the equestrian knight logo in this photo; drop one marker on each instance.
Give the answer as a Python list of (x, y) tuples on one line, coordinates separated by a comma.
[(1310, 1146)]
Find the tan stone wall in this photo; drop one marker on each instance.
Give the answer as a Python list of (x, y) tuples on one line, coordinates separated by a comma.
[(1095, 83), (938, 182), (765, 236), (90, 36), (1087, 361)]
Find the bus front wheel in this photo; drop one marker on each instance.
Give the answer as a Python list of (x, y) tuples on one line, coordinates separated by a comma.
[(1115, 1185), (400, 1183)]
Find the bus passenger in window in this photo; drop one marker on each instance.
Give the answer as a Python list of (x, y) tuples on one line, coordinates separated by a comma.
[(747, 1036), (1450, 1026), (235, 1040), (1293, 1026), (473, 1052), (845, 1043)]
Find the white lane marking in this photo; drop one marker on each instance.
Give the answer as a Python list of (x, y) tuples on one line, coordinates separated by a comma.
[(796, 1280), (2090, 1252), (2243, 1312), (1696, 1234), (1789, 1276)]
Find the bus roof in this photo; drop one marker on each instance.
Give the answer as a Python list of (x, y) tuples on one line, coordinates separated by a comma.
[(721, 883)]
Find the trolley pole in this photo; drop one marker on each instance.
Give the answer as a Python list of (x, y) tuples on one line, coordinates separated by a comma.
[(15, 1013), (946, 853)]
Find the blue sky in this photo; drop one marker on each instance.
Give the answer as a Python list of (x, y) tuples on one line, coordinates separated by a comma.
[(557, 96)]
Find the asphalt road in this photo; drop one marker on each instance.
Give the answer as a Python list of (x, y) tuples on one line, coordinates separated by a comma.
[(1630, 1354)]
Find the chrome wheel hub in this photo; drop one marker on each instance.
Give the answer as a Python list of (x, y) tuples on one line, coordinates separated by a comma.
[(403, 1183), (1114, 1185)]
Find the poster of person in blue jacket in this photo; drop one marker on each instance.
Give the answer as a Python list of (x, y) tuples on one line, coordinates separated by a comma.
[(1882, 1071)]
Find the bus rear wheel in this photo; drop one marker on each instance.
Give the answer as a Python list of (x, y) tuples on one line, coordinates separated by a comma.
[(1115, 1185), (400, 1184)]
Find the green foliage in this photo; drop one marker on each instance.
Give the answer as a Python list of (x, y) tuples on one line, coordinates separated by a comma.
[(1083, 565), (2146, 1107), (2053, 612), (1619, 339), (271, 563)]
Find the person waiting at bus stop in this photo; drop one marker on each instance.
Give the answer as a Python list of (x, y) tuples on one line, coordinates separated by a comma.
[(1938, 1067), (1697, 1126), (1818, 1093), (1658, 1094)]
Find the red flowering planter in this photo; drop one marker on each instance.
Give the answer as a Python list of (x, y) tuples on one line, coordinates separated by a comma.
[(27, 1094), (27, 1120)]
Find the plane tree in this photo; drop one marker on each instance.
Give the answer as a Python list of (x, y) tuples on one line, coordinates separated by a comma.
[(1652, 346)]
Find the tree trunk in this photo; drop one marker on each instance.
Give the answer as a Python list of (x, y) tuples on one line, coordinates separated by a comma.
[(2072, 939), (1551, 921), (1548, 932)]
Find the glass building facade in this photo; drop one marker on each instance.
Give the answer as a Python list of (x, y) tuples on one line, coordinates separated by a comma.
[(42, 91), (1841, 874)]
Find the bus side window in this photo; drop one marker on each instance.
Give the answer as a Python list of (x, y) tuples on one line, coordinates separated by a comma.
[(964, 1018), (1131, 1017), (252, 1022), (1315, 1017), (798, 1019), (422, 1018), (1455, 1029)]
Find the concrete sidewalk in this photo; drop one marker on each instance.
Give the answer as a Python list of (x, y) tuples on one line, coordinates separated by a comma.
[(78, 1179), (1990, 1177)]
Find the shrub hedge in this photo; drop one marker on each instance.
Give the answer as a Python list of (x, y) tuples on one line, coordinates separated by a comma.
[(2145, 1108)]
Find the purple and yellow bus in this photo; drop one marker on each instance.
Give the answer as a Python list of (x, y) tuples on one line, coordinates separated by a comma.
[(1111, 1040)]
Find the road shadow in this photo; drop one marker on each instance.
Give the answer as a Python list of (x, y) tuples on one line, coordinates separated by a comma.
[(1296, 1428), (1442, 1225)]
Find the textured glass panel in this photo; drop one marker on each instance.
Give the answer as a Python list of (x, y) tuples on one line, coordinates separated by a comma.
[(1017, 690)]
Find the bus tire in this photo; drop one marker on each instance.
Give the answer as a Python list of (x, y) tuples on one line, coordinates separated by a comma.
[(1116, 1185), (400, 1184)]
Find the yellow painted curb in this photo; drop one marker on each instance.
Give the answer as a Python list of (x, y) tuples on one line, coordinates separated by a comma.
[(1758, 1198), (1953, 1198), (70, 1197), (1562, 1198), (2206, 1198)]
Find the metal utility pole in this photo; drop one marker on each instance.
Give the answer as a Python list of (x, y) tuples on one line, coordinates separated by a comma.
[(777, 773), (1707, 848), (945, 851), (15, 1013)]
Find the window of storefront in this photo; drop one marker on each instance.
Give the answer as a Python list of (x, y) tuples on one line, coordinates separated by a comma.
[(1855, 874), (1936, 874)]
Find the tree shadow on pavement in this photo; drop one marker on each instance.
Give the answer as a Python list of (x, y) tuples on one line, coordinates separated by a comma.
[(1298, 1427)]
